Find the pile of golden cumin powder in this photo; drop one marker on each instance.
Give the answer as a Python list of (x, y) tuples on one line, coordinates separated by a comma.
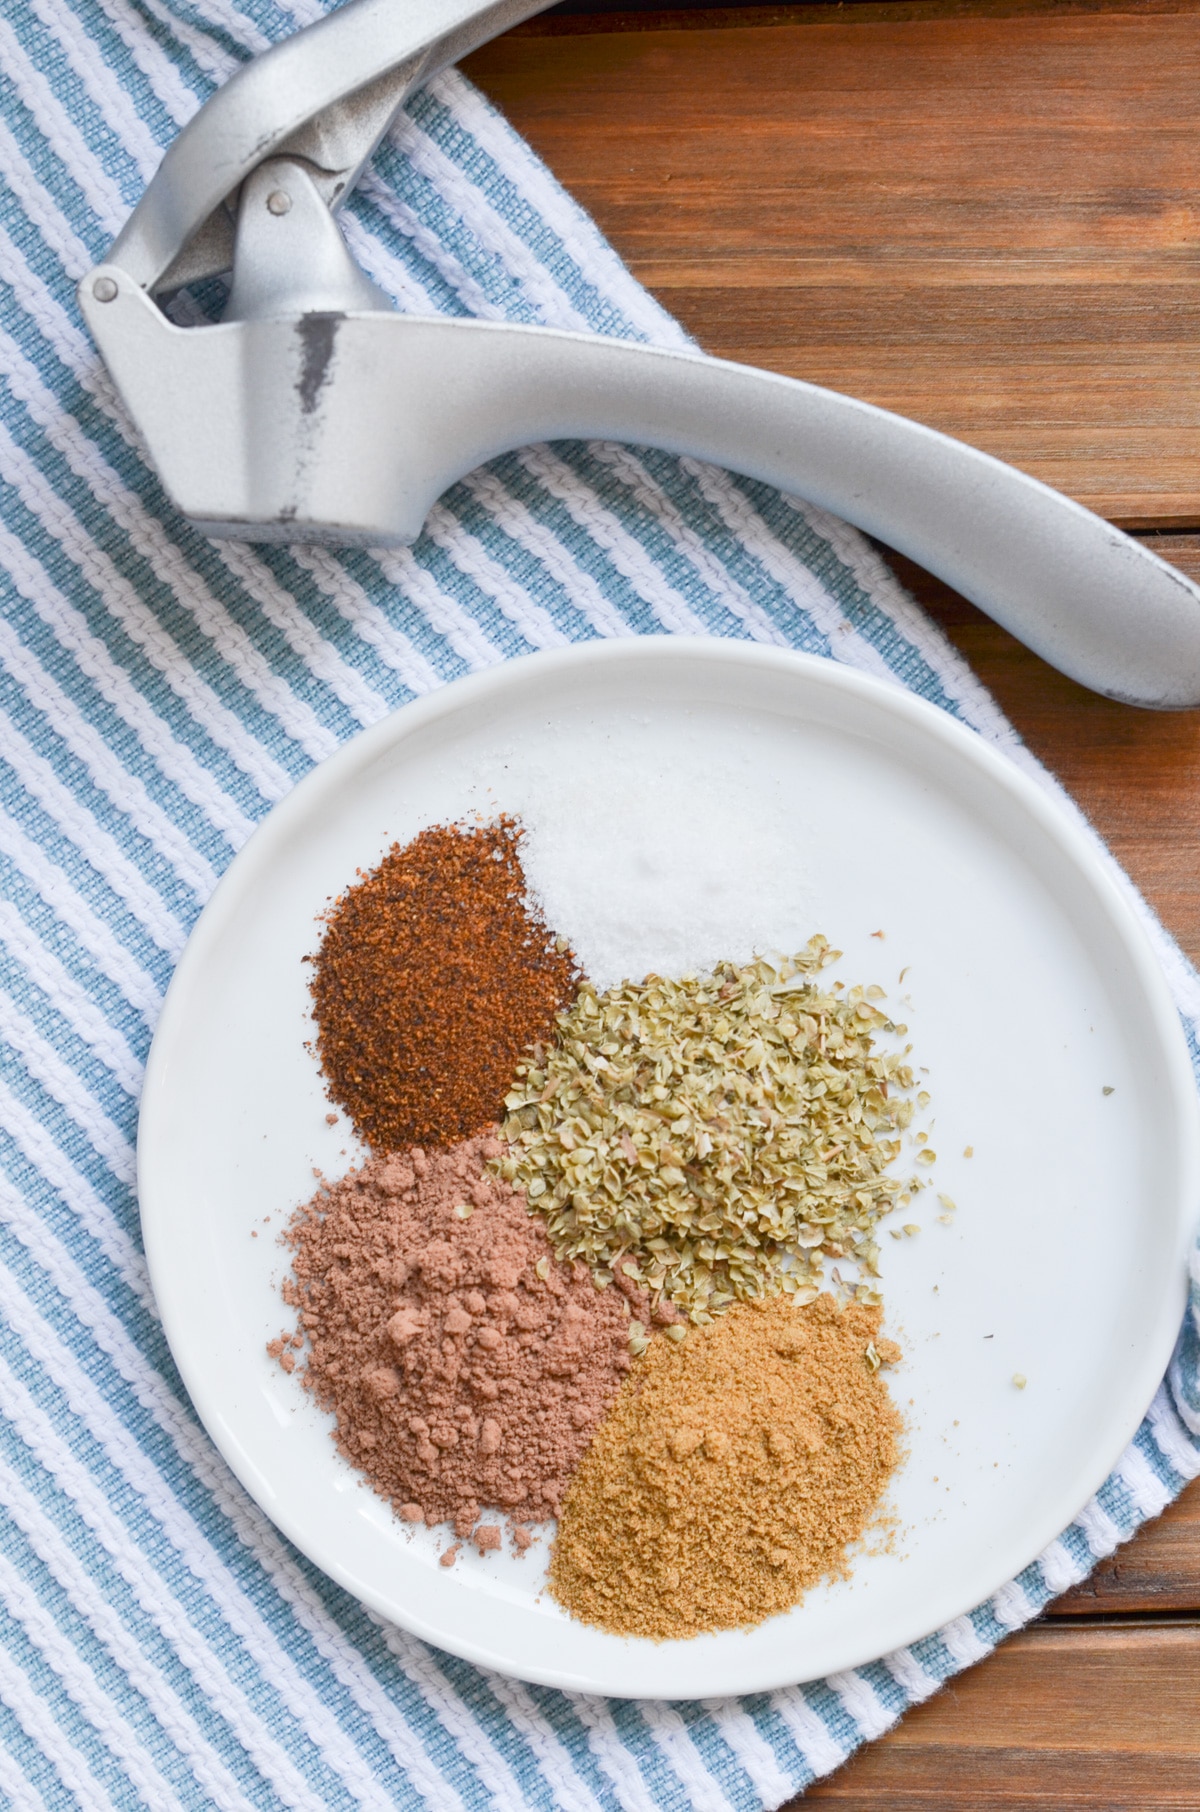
[(732, 1473), (704, 1144)]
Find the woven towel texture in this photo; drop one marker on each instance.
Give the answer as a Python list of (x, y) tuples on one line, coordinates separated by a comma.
[(160, 1645)]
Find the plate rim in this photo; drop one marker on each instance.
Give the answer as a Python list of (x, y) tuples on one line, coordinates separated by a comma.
[(1072, 838)]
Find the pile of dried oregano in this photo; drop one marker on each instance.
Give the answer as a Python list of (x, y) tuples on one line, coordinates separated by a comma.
[(713, 1138)]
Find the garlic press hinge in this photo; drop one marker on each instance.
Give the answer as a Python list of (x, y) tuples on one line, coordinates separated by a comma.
[(325, 96)]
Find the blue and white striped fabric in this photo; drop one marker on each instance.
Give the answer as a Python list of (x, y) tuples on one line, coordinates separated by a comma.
[(160, 1645)]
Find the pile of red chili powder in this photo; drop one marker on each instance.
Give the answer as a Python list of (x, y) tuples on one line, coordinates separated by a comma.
[(466, 1367), (434, 975)]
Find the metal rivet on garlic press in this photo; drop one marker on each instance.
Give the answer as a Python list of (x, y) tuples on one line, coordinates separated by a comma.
[(104, 289), (278, 201)]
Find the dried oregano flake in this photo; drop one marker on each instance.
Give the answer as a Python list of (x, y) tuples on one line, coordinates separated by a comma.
[(714, 1137)]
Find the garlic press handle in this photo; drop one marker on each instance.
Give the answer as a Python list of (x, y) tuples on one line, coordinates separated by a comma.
[(347, 427), (325, 96)]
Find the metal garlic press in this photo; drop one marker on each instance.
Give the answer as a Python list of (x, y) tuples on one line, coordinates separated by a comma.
[(313, 412)]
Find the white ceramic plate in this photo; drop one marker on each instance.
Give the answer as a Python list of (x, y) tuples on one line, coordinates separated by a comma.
[(787, 795)]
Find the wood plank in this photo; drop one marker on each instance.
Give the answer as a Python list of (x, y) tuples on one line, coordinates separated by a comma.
[(1158, 1571), (591, 16), (987, 220), (1102, 1717)]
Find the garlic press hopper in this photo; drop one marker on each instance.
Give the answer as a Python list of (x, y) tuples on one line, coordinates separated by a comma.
[(313, 412)]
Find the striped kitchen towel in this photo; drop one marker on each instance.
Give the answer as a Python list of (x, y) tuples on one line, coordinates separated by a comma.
[(160, 1644)]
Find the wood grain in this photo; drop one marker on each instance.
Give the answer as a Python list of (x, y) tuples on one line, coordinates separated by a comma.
[(1104, 1717), (590, 20), (1155, 1573), (985, 219)]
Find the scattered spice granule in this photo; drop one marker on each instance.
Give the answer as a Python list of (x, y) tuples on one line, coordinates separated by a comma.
[(732, 1472), (434, 975), (466, 1367), (705, 1129)]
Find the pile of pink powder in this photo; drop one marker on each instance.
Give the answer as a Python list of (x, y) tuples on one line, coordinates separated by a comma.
[(465, 1366)]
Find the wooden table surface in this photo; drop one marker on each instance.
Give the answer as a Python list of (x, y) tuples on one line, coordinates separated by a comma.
[(986, 214)]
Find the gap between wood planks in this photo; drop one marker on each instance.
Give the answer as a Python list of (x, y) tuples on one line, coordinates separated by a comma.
[(587, 17)]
